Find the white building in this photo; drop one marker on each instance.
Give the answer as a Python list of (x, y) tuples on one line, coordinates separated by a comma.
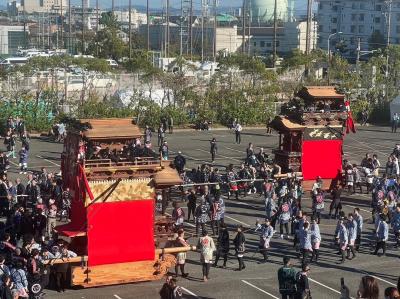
[(356, 19), (32, 6), (11, 38), (137, 18), (292, 35)]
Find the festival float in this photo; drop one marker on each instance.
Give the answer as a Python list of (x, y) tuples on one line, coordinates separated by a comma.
[(114, 227), (311, 132)]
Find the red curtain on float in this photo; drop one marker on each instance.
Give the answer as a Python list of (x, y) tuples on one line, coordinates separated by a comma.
[(321, 158), (120, 232)]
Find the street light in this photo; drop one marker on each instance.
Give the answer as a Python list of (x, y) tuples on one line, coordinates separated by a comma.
[(329, 51)]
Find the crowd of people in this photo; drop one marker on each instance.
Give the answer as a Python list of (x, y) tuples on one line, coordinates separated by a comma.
[(30, 211), (285, 213)]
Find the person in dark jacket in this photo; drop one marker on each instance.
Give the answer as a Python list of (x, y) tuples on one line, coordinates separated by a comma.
[(222, 246), (39, 224), (23, 160), (20, 192), (239, 243), (302, 284), (166, 290), (213, 149), (180, 162), (191, 204), (287, 279), (336, 201)]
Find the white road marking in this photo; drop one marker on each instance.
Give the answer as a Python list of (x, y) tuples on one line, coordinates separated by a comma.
[(325, 286), (13, 163), (364, 145), (189, 292), (261, 290), (116, 296), (47, 160), (381, 279), (245, 224), (235, 150)]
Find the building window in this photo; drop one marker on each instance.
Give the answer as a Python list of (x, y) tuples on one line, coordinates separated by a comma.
[(354, 6), (397, 29), (398, 17), (320, 28), (320, 6), (361, 29), (277, 43), (361, 17), (334, 30), (377, 20), (353, 29), (255, 44), (362, 6), (353, 17), (335, 8), (262, 44), (269, 45), (378, 7), (334, 20)]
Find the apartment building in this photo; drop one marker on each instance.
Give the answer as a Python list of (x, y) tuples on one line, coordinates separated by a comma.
[(357, 19)]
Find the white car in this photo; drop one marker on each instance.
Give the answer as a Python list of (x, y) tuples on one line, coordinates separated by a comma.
[(112, 63)]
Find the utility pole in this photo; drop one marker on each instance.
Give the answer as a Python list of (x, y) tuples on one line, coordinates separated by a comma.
[(62, 25), (244, 27), (148, 25), (167, 37), (358, 53), (248, 28), (308, 30), (83, 27), (190, 31), (389, 18), (69, 26), (97, 26), (130, 29), (215, 32), (275, 32), (24, 15), (202, 31), (181, 30)]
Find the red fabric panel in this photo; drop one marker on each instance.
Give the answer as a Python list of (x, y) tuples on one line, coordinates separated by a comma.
[(86, 183), (78, 210), (120, 232), (69, 230), (321, 158)]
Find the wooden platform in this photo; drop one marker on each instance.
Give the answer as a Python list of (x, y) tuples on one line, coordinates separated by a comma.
[(121, 273)]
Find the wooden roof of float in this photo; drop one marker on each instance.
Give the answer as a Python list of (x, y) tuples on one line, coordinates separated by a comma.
[(281, 123), (317, 93), (167, 177), (111, 128)]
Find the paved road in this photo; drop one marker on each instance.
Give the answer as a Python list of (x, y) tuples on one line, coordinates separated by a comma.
[(257, 280)]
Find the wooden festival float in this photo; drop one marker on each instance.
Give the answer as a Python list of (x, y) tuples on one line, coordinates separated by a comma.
[(114, 227), (311, 134)]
